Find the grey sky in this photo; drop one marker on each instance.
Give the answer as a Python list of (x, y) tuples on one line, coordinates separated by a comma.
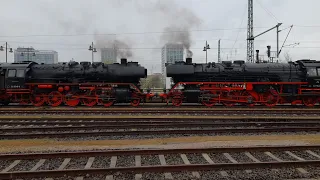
[(139, 23)]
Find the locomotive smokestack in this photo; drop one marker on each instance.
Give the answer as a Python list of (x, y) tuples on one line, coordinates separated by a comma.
[(123, 61), (257, 58), (188, 60), (268, 51)]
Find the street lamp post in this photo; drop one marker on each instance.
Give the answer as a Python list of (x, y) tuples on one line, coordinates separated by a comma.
[(1, 49), (206, 50), (93, 50)]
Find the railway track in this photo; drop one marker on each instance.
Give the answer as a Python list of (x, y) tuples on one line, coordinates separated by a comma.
[(57, 133), (83, 127), (202, 111), (210, 163)]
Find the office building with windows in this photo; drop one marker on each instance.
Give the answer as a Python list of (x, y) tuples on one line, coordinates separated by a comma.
[(170, 53), (108, 55), (38, 56)]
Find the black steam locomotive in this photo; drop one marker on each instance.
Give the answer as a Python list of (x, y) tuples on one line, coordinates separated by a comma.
[(252, 83), (71, 83)]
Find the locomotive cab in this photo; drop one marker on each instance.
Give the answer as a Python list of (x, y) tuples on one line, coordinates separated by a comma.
[(312, 72), (15, 78), (2, 79), (313, 76), (15, 75)]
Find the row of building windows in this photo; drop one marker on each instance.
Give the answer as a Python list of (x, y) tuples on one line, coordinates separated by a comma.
[(25, 54)]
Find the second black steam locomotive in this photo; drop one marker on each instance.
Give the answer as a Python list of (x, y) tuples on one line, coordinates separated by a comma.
[(245, 83)]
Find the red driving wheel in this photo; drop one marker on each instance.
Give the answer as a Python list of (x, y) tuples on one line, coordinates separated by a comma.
[(55, 98), (38, 99), (71, 99)]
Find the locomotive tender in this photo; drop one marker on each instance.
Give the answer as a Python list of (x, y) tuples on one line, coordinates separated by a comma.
[(240, 83), (71, 83)]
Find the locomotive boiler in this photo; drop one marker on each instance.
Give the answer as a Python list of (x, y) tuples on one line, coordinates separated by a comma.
[(237, 82), (72, 83)]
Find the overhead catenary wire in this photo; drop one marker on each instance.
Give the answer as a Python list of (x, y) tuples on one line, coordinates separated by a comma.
[(269, 12), (307, 26), (243, 17), (159, 48), (124, 33), (85, 45), (141, 33), (285, 39)]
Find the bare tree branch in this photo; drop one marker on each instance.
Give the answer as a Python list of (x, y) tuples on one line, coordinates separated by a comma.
[(287, 57)]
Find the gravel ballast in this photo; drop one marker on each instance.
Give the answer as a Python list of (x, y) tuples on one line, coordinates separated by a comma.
[(101, 162), (218, 158), (305, 155), (125, 161), (173, 159), (51, 164), (5, 163), (241, 157), (150, 160), (25, 165), (196, 159), (77, 163)]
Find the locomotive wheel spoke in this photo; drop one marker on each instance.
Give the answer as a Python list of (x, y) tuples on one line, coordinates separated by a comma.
[(55, 98), (135, 101), (90, 100), (106, 103), (177, 100), (209, 102), (105, 100), (309, 101), (38, 99), (249, 97), (230, 96), (272, 100), (72, 100), (24, 100)]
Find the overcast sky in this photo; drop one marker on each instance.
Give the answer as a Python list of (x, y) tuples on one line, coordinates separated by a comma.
[(69, 26)]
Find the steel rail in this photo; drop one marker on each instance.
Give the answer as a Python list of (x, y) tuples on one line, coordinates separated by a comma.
[(166, 168), (73, 154), (159, 132), (161, 110), (71, 118), (138, 124), (126, 125), (157, 168)]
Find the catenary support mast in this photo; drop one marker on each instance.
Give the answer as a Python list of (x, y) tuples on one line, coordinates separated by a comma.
[(250, 44)]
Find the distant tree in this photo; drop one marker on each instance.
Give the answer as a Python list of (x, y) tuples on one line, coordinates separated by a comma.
[(287, 57), (152, 81), (107, 62)]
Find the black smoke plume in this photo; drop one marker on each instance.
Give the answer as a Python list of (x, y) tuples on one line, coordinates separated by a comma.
[(122, 49), (180, 22), (178, 35)]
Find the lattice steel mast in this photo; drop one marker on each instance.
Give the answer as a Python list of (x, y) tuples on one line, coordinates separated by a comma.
[(250, 45), (219, 57)]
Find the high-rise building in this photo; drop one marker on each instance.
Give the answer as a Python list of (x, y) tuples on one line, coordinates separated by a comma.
[(170, 53), (38, 56), (108, 55)]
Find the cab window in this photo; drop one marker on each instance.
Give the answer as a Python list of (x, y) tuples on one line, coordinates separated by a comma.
[(12, 73), (20, 73), (318, 70)]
